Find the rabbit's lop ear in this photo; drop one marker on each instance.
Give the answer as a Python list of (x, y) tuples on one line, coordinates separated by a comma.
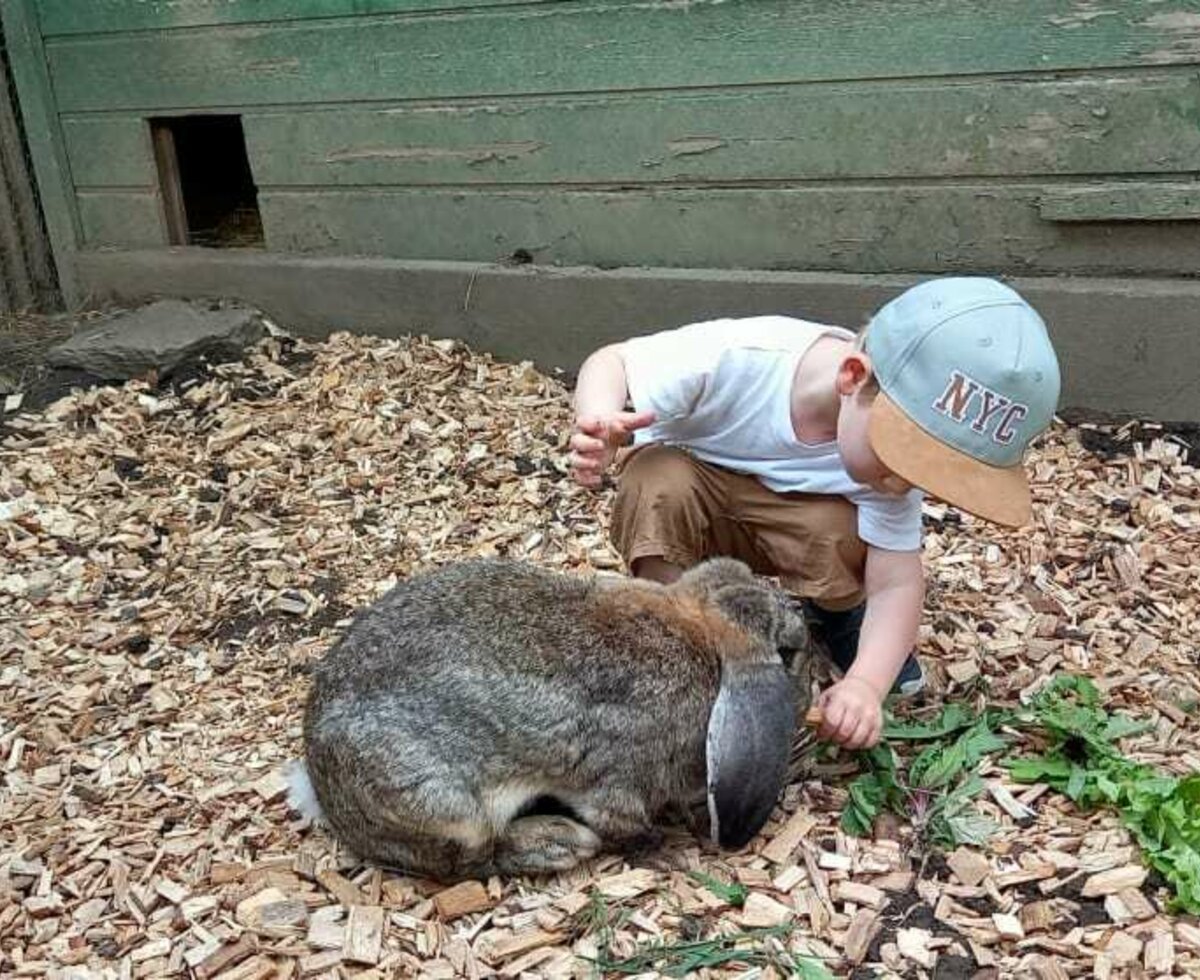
[(749, 744)]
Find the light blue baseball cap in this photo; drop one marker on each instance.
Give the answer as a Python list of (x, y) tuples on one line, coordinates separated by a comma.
[(968, 377)]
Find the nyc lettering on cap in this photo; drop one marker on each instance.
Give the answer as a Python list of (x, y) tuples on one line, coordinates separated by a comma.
[(968, 378)]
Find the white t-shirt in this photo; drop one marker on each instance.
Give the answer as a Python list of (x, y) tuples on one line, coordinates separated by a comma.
[(722, 390)]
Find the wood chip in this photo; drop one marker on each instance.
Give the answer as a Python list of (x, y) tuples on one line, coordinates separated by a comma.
[(628, 884), (364, 934), (1116, 880), (969, 866), (271, 787), (507, 947), (226, 956), (780, 849), (1046, 968), (761, 911), (249, 910), (1037, 916), (859, 894), (326, 928), (341, 889), (1188, 936), (462, 899), (1137, 906), (914, 945), (1159, 956), (863, 928), (1008, 925), (1009, 803), (1123, 949), (322, 962)]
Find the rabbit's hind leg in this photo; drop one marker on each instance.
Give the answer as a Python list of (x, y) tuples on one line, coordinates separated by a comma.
[(544, 842)]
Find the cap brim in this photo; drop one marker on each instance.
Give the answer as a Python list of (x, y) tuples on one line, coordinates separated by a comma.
[(995, 493)]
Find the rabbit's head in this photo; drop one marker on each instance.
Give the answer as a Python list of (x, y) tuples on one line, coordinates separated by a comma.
[(762, 684), (766, 612)]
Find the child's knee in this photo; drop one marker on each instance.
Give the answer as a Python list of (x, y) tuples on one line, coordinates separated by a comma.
[(655, 467), (659, 507)]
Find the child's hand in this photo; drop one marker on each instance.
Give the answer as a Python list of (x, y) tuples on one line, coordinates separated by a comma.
[(851, 714), (596, 440)]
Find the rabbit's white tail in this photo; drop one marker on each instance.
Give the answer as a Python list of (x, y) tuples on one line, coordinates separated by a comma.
[(301, 795)]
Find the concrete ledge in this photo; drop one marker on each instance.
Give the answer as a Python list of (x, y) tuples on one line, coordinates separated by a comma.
[(1128, 347)]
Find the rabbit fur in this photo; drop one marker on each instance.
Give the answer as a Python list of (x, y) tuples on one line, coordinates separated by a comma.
[(493, 716)]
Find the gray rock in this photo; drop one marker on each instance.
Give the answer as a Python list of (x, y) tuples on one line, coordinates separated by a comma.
[(162, 336)]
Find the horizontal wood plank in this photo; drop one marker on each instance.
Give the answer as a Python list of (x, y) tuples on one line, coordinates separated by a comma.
[(860, 229), (806, 132), (62, 17), (110, 152), (594, 47), (1122, 202), (126, 219), (1135, 123)]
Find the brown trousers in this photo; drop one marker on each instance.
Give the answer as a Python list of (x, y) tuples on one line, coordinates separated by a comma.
[(673, 506)]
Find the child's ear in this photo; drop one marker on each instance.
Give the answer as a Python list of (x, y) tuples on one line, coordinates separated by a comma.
[(854, 373)]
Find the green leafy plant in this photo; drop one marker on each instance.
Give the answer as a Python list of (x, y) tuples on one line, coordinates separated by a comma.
[(1082, 762), (935, 789), (735, 894), (752, 947), (749, 948)]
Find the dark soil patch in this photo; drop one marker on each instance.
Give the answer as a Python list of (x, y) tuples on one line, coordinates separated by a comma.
[(906, 910), (276, 625), (1091, 913), (950, 967), (51, 384), (1118, 442)]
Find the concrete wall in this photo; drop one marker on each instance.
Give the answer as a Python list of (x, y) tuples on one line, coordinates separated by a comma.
[(1120, 360)]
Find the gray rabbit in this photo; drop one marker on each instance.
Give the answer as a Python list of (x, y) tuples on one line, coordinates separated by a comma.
[(493, 716)]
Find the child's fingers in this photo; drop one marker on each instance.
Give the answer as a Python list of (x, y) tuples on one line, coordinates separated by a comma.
[(591, 425), (582, 443), (860, 737), (635, 420), (832, 722), (586, 478), (587, 466), (586, 461), (847, 728)]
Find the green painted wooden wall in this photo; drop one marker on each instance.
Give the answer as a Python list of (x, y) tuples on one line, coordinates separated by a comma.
[(1023, 136)]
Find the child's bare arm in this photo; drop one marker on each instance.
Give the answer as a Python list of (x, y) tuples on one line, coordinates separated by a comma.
[(895, 585), (601, 388), (601, 422), (852, 712)]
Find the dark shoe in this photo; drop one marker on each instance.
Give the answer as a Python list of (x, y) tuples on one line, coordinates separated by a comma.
[(836, 634), (911, 680)]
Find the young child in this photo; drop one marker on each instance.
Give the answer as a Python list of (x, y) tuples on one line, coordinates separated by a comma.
[(805, 451)]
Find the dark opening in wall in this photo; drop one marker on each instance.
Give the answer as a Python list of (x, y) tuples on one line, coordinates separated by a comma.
[(208, 192)]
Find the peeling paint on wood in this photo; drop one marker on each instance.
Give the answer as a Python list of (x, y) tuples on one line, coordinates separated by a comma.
[(472, 154), (1138, 202), (59, 17), (1138, 122), (591, 46)]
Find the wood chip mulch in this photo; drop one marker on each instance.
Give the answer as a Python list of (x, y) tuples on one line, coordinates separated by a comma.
[(174, 558)]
